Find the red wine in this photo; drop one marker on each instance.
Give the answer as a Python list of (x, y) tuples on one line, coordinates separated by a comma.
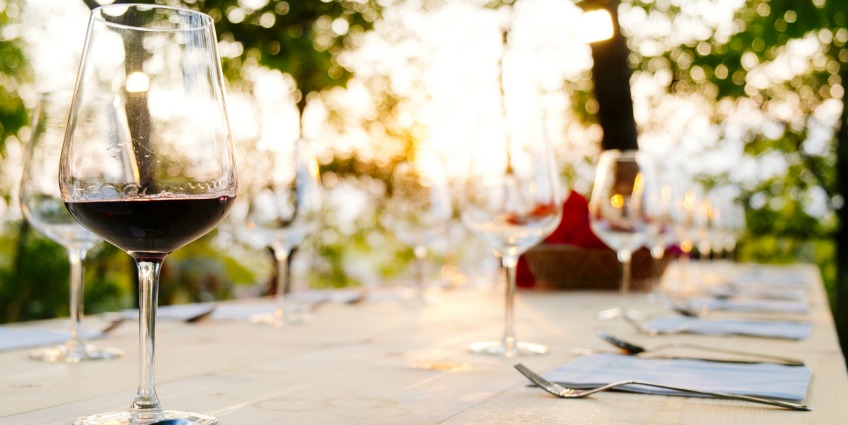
[(151, 228)]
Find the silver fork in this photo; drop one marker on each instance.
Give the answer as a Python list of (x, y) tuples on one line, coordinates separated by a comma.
[(564, 392)]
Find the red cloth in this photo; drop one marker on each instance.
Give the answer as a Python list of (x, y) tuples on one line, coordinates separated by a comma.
[(574, 229)]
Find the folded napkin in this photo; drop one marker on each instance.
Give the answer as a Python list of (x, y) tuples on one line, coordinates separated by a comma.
[(174, 312), (245, 309), (19, 337), (772, 277), (758, 292), (709, 326), (748, 305), (755, 379)]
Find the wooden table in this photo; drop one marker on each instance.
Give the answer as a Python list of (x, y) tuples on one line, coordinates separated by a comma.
[(387, 363)]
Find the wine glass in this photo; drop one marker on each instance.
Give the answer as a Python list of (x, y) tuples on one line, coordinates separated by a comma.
[(283, 211), (511, 201), (418, 212), (688, 220), (660, 237), (155, 170), (43, 207), (621, 214)]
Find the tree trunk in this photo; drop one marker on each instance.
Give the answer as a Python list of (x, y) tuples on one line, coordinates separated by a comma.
[(840, 311), (611, 74)]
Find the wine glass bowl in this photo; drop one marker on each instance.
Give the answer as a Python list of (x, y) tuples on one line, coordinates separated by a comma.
[(621, 213), (147, 161), (43, 207)]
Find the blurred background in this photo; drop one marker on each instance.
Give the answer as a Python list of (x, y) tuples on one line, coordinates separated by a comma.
[(743, 96)]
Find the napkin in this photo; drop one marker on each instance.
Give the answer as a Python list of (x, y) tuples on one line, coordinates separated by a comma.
[(758, 292), (748, 305), (709, 326), (245, 309), (15, 338), (173, 312), (755, 379), (772, 277)]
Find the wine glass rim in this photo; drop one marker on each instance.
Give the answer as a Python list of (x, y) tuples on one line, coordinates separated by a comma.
[(99, 12)]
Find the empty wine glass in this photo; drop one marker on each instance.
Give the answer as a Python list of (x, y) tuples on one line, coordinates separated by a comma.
[(283, 211), (43, 207), (689, 223), (511, 202), (418, 212), (621, 214), (660, 238), (156, 169)]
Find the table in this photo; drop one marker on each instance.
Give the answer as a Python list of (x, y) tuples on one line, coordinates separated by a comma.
[(387, 363)]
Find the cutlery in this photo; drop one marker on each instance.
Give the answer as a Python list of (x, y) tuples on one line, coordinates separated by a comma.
[(651, 355), (114, 324), (631, 348), (565, 392), (200, 316)]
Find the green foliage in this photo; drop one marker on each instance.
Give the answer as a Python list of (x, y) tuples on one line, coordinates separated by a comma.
[(720, 69), (201, 271), (35, 277), (14, 71), (304, 39)]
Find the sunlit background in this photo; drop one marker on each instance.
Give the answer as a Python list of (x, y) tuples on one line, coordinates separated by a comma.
[(730, 93)]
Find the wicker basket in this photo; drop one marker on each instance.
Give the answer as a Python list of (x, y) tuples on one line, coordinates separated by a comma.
[(558, 266)]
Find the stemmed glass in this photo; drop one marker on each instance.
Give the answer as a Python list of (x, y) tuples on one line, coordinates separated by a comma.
[(42, 205), (418, 211), (511, 202), (283, 211), (660, 237), (156, 169), (621, 213), (689, 223)]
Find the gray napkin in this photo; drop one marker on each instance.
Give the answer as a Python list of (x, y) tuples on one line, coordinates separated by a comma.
[(15, 338), (755, 379), (707, 326), (748, 305)]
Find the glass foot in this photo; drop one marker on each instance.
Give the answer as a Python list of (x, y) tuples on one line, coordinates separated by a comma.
[(277, 320), (60, 354), (498, 348), (616, 313), (162, 417)]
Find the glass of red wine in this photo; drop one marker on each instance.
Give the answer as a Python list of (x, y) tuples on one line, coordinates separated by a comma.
[(155, 170)]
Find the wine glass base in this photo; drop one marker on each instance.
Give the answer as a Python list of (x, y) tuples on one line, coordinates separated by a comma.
[(618, 312), (162, 417), (60, 354), (498, 348), (277, 321)]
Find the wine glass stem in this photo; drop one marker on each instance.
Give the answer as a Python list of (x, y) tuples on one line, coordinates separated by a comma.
[(76, 344), (281, 254), (624, 257), (148, 277), (510, 262)]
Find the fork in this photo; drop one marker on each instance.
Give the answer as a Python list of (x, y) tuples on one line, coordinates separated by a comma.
[(564, 392)]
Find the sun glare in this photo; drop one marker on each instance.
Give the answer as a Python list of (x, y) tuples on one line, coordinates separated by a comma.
[(596, 25)]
